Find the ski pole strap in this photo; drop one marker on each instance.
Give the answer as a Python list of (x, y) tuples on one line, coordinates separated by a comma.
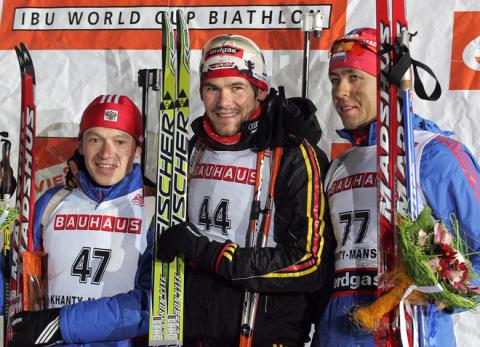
[(418, 84), (404, 61), (405, 307)]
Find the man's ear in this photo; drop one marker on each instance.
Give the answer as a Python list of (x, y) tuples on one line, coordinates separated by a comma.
[(138, 151), (262, 95), (80, 147)]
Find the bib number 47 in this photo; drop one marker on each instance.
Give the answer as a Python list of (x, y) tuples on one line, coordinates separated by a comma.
[(91, 263)]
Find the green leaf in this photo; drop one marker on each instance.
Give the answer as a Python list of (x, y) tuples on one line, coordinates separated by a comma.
[(424, 220)]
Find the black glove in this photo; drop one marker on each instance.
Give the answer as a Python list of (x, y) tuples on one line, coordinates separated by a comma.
[(292, 118), (40, 328), (183, 238), (270, 133), (302, 123)]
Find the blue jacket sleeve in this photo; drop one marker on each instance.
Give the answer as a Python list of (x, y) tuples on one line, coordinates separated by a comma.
[(113, 318), (449, 177)]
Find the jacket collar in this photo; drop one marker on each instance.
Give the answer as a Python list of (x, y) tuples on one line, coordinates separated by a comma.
[(367, 135), (204, 131), (99, 194)]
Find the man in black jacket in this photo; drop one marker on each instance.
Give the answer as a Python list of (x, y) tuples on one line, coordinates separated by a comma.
[(236, 128)]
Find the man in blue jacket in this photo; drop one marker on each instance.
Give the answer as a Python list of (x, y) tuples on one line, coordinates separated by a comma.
[(447, 178), (96, 239)]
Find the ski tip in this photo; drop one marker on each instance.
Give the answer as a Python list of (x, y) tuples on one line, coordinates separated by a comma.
[(181, 20), (25, 60), (165, 19), (7, 144)]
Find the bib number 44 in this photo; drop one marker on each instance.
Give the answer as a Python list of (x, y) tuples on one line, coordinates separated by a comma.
[(218, 219)]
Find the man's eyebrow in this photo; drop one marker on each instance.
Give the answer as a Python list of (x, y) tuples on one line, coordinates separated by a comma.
[(92, 133), (343, 72), (209, 84), (121, 136)]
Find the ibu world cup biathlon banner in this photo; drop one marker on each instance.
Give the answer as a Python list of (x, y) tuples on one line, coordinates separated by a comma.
[(84, 48)]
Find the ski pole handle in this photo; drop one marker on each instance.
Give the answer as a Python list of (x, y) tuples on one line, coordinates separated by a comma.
[(309, 22), (317, 24), (8, 181), (147, 78)]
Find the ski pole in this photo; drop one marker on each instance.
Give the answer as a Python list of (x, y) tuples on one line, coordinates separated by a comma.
[(147, 78), (8, 185), (250, 299), (310, 22), (412, 193), (253, 297)]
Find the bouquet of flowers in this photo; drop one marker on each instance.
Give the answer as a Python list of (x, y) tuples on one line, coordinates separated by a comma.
[(433, 255)]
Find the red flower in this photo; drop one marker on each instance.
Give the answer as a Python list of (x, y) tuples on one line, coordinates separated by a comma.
[(454, 271), (447, 251)]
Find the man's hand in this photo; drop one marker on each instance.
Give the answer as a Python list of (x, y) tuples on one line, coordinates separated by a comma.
[(282, 118), (183, 238), (40, 328), (302, 122)]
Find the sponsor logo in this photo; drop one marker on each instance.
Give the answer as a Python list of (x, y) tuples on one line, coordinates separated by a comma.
[(229, 173), (361, 180), (222, 65), (465, 60), (355, 280), (471, 54), (138, 200), (97, 223), (225, 50)]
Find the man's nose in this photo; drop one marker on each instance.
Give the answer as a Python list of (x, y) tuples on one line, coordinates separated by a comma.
[(106, 150), (342, 88), (224, 98)]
